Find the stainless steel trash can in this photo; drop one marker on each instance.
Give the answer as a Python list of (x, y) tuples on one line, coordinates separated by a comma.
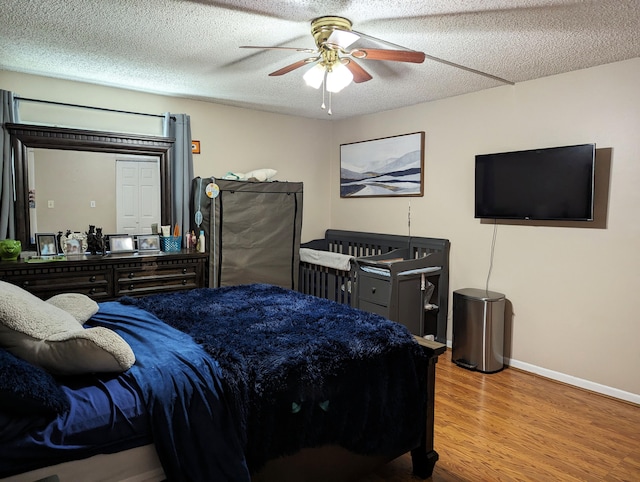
[(478, 330)]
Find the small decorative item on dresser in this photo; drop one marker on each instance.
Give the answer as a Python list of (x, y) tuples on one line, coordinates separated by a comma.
[(201, 242), (171, 244), (95, 240), (10, 249)]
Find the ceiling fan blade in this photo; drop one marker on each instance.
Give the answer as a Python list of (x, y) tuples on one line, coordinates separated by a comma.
[(359, 74), (438, 59), (469, 69), (342, 38), (297, 49), (384, 54), (293, 66)]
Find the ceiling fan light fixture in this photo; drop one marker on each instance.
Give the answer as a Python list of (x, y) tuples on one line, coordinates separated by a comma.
[(314, 76), (338, 78)]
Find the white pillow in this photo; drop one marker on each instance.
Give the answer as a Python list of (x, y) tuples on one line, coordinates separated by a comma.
[(257, 174), (261, 174), (80, 306), (48, 336)]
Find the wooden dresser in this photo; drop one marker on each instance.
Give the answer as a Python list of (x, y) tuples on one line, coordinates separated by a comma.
[(109, 277)]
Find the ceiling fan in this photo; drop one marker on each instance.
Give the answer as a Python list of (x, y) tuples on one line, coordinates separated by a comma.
[(335, 64)]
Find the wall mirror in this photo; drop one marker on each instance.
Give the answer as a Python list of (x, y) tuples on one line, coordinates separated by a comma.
[(25, 136)]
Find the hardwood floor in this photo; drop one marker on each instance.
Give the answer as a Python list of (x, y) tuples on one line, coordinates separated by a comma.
[(516, 426)]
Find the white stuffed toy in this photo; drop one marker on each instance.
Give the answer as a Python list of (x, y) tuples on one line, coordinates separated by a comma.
[(257, 174)]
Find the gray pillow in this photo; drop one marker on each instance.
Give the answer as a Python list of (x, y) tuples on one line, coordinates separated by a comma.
[(80, 306), (51, 338)]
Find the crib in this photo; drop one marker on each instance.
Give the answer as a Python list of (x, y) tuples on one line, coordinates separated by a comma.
[(329, 268)]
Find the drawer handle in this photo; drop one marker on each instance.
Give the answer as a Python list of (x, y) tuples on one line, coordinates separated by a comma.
[(92, 291), (373, 290), (131, 286), (131, 275), (92, 279), (184, 270), (184, 282), (25, 284)]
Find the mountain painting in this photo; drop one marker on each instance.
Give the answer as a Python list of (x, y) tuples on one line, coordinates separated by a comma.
[(391, 166)]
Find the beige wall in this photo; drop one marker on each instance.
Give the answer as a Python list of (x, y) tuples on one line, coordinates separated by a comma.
[(572, 290)]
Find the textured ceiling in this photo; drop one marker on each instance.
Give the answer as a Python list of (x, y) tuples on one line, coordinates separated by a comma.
[(190, 48)]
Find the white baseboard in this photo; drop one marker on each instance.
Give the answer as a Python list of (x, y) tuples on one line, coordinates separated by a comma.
[(571, 380)]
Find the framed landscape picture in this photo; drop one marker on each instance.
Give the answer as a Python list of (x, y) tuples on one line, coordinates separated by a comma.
[(390, 166)]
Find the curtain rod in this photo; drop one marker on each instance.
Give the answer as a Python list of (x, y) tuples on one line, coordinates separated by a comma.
[(26, 99)]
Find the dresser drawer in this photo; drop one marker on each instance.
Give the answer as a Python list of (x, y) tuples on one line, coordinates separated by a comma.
[(96, 284), (154, 278), (375, 290), (109, 277)]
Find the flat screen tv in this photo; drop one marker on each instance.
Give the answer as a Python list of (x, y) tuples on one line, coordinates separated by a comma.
[(540, 184)]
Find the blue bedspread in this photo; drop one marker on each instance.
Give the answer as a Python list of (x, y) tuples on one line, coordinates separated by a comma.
[(305, 371), (171, 396), (195, 432), (243, 375)]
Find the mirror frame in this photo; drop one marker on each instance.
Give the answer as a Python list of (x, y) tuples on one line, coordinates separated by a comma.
[(25, 136)]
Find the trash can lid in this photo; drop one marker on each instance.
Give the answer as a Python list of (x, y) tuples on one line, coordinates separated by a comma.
[(480, 294)]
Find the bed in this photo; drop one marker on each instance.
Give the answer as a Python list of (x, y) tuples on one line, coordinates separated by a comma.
[(251, 382)]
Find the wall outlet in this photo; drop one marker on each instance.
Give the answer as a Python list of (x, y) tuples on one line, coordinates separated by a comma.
[(93, 204), (50, 204)]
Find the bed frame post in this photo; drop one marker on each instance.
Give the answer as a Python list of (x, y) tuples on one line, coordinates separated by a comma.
[(424, 457)]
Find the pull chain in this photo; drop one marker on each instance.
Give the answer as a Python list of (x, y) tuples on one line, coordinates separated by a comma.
[(324, 89)]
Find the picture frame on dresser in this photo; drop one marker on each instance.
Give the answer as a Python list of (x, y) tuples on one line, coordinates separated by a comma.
[(46, 244), (121, 244), (74, 244), (148, 243)]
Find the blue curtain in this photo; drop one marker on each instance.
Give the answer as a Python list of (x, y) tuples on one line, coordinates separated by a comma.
[(179, 127), (7, 186)]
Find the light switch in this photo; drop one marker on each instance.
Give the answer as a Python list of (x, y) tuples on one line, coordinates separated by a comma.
[(50, 203), (93, 204)]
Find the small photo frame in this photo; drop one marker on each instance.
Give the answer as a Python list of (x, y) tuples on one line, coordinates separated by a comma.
[(46, 244), (195, 147), (107, 237), (74, 244), (148, 242), (121, 244)]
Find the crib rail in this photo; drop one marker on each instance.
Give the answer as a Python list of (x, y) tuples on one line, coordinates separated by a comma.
[(329, 283)]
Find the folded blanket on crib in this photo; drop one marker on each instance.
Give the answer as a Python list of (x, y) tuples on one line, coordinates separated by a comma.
[(326, 258)]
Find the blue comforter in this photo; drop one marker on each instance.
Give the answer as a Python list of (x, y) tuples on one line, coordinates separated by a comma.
[(243, 375), (304, 371), (195, 432), (171, 396)]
